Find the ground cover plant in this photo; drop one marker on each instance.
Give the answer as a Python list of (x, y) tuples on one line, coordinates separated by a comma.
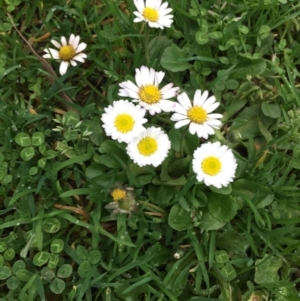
[(149, 151)]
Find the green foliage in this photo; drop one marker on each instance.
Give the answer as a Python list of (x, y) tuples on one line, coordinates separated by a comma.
[(172, 238)]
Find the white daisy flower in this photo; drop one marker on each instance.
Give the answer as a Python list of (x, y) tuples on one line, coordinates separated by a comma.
[(214, 164), (123, 120), (197, 114), (68, 53), (147, 92), (149, 148), (154, 13)]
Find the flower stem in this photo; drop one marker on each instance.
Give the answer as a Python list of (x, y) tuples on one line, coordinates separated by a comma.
[(181, 141), (147, 45)]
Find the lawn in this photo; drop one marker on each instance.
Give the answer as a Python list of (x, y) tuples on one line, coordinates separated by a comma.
[(149, 151)]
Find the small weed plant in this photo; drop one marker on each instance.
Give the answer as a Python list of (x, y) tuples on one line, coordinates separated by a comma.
[(149, 150)]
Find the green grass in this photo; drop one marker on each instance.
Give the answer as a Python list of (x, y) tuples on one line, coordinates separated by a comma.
[(58, 240)]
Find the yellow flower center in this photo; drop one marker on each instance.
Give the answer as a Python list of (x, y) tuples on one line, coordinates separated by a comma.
[(150, 94), (197, 115), (150, 14), (118, 194), (124, 123), (211, 166), (147, 146), (66, 53)]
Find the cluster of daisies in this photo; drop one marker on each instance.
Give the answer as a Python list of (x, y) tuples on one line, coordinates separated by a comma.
[(125, 120)]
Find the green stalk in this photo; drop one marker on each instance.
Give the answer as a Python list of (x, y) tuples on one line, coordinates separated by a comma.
[(181, 141), (147, 45)]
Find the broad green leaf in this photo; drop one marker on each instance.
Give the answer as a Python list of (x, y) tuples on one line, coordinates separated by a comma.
[(13, 283), (266, 269), (201, 38), (19, 264), (215, 35), (47, 274), (221, 256), (161, 195), (64, 271), (23, 139), (53, 261), (173, 59), (41, 258), (222, 207), (37, 138), (84, 268), (208, 222), (180, 166), (24, 274), (159, 254), (179, 219), (248, 67), (57, 286), (271, 110), (3, 246), (57, 245), (3, 170), (27, 153), (9, 254), (94, 256), (222, 190), (229, 272), (233, 242), (5, 272), (82, 252), (173, 182), (51, 225), (261, 196)]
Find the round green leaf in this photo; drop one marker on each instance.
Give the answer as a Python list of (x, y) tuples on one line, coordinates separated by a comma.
[(229, 272), (37, 139), (82, 252), (51, 225), (12, 283), (41, 258), (222, 207), (84, 268), (47, 274), (179, 219), (201, 38), (3, 170), (215, 35), (221, 256), (173, 59), (19, 264), (266, 269), (1, 260), (7, 179), (53, 261), (5, 273), (3, 246), (9, 254), (33, 171), (57, 245), (210, 223), (42, 162), (94, 256), (23, 274), (64, 271), (243, 29), (271, 110), (27, 153), (23, 139), (57, 286)]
